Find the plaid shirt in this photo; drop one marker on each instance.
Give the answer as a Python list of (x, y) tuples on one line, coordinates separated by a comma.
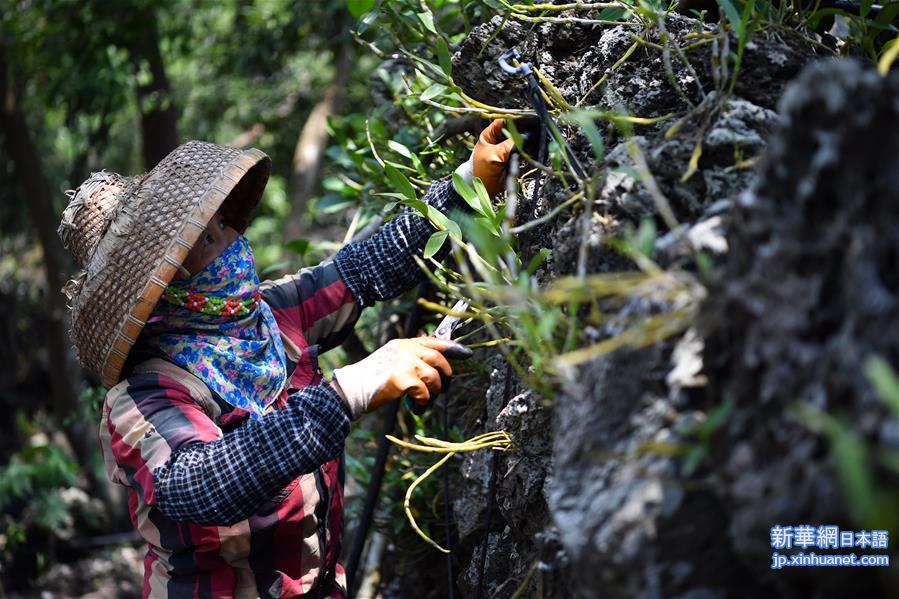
[(236, 507)]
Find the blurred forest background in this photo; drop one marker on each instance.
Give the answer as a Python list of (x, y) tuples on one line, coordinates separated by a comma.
[(92, 84)]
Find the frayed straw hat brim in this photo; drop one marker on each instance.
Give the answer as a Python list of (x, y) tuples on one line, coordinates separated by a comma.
[(160, 218)]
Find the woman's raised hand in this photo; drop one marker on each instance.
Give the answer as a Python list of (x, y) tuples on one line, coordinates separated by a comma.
[(489, 158)]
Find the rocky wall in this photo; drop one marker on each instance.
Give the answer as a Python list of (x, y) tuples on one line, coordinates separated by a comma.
[(595, 495)]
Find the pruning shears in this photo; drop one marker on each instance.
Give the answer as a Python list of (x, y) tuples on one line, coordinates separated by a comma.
[(445, 331), (451, 321)]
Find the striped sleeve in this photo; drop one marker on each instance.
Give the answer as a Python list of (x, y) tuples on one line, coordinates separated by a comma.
[(146, 419), (314, 302), (225, 481), (383, 266), (169, 450)]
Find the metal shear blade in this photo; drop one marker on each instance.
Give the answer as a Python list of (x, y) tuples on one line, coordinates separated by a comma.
[(451, 321)]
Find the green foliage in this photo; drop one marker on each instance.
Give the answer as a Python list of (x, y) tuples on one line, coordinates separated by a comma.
[(642, 239), (30, 486), (885, 382), (858, 461), (852, 459), (744, 23), (585, 120), (700, 436), (359, 7), (506, 298)]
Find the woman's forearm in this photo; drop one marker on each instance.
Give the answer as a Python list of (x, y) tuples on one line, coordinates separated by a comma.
[(383, 266), (225, 481)]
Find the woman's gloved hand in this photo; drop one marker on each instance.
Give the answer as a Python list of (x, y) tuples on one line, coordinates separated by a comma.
[(401, 366), (488, 159)]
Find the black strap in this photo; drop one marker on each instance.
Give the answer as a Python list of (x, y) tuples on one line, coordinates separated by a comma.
[(450, 579), (377, 472), (326, 576)]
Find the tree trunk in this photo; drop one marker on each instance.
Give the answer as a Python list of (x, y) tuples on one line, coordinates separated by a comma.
[(159, 117), (65, 374), (313, 140)]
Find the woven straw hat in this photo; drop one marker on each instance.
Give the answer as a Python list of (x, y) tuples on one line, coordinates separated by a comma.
[(131, 234)]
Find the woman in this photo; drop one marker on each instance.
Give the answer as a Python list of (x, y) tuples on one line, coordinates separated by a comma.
[(217, 418)]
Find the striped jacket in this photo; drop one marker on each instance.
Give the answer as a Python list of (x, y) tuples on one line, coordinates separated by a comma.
[(237, 507)]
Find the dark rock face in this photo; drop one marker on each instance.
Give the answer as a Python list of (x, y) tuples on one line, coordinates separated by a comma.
[(575, 57), (591, 497), (512, 488), (809, 293), (808, 290)]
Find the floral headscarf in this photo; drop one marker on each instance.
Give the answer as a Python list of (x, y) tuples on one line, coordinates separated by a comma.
[(215, 325)]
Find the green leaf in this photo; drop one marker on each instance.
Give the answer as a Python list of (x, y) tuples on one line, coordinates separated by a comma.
[(627, 170), (487, 224), (419, 167), (715, 419), (53, 469), (51, 511), (274, 268), (366, 21), (850, 455), (332, 202), (443, 222), (746, 22), (435, 242), (485, 242), (337, 185), (854, 469), (298, 246), (865, 8), (704, 264), (538, 259), (468, 194), (585, 120), (890, 53), (358, 8), (817, 16), (399, 166), (645, 238), (15, 480), (400, 182), (427, 19), (378, 129), (443, 56), (514, 134), (417, 204), (391, 194), (693, 459), (887, 15), (885, 381), (433, 91), (399, 149), (440, 220), (484, 199), (595, 138), (612, 14), (733, 15)]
